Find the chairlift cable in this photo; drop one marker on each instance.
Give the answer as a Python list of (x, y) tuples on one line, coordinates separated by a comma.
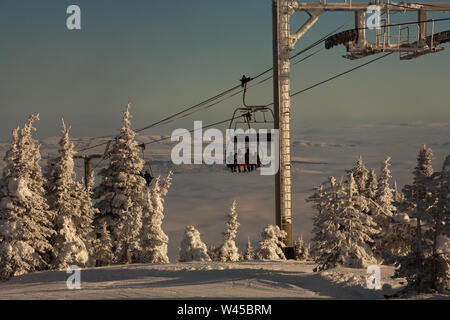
[(220, 95)]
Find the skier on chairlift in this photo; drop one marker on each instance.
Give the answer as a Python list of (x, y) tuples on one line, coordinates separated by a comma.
[(254, 161), (239, 157), (148, 178), (231, 162), (247, 164)]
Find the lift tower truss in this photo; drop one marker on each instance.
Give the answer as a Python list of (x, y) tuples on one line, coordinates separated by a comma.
[(284, 41)]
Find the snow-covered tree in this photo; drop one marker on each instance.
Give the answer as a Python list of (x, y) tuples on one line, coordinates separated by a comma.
[(154, 240), (397, 194), (394, 228), (228, 250), (271, 244), (439, 231), (324, 202), (355, 227), (25, 219), (319, 197), (192, 247), (301, 250), (385, 196), (344, 232), (72, 204), (360, 174), (122, 197), (383, 211), (213, 252), (102, 245), (426, 268), (307, 250), (396, 231), (436, 234), (372, 185), (249, 254)]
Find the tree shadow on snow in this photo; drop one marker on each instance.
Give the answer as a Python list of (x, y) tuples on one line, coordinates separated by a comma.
[(149, 276)]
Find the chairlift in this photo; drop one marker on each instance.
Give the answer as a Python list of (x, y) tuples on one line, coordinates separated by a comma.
[(144, 174), (249, 116)]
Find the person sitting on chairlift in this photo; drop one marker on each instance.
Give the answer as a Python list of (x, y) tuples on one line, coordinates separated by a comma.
[(231, 162), (148, 178), (238, 157), (254, 161), (248, 166)]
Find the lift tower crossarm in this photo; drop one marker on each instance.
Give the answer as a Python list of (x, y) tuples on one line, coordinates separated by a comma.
[(314, 15), (348, 6)]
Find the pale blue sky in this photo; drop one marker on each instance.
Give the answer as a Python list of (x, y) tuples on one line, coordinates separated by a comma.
[(163, 55)]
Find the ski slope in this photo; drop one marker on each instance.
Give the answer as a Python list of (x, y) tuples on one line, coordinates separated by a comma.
[(203, 280)]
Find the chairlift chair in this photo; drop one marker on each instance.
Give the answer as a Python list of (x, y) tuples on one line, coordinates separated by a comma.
[(251, 116), (146, 163)]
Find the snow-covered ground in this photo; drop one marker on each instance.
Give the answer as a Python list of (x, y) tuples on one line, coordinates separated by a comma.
[(198, 280)]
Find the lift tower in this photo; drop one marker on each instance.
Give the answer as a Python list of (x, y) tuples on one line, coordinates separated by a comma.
[(357, 46)]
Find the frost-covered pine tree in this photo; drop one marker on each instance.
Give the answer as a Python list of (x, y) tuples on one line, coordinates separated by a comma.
[(228, 250), (102, 245), (348, 231), (72, 204), (249, 254), (383, 211), (420, 201), (271, 244), (307, 250), (372, 185), (122, 197), (325, 201), (385, 196), (25, 219), (398, 195), (213, 252), (361, 175), (355, 227), (395, 236), (396, 230), (154, 240), (319, 197), (192, 247), (437, 232), (301, 250)]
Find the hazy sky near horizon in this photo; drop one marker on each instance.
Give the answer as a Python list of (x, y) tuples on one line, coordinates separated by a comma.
[(165, 55)]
